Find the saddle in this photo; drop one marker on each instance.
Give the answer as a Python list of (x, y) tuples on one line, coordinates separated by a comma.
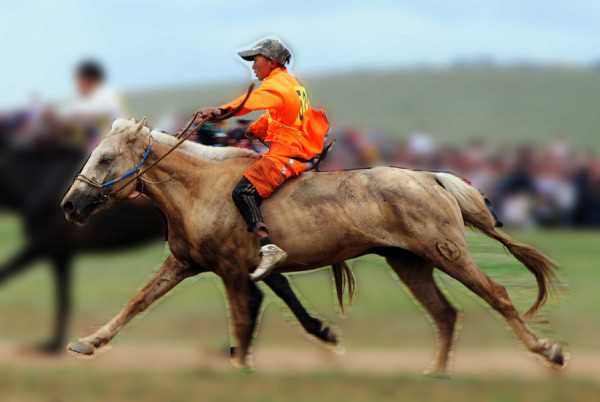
[(313, 164)]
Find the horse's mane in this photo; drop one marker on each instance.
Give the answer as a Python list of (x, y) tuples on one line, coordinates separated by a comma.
[(191, 148)]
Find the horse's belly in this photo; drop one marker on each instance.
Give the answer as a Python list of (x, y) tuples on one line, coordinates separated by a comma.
[(316, 238)]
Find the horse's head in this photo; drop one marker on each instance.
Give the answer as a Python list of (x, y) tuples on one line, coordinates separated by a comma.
[(99, 184)]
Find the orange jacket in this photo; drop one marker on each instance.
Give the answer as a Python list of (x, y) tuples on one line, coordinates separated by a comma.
[(290, 126)]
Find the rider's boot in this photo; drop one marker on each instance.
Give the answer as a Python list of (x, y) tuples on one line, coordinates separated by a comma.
[(271, 257)]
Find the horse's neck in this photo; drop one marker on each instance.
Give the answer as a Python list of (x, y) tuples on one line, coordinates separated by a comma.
[(181, 181), (173, 182)]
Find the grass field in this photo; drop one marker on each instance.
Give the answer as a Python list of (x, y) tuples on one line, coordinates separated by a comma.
[(508, 104), (187, 385), (383, 318)]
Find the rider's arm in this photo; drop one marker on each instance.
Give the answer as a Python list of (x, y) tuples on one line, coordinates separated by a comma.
[(265, 97)]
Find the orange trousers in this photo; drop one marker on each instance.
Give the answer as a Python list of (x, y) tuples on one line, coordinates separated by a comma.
[(271, 171)]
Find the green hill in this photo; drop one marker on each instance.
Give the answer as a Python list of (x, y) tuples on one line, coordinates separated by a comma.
[(508, 104)]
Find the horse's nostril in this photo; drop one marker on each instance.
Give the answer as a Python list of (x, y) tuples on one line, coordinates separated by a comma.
[(68, 206)]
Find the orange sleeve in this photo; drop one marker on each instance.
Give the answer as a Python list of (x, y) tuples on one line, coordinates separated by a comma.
[(259, 127), (265, 97)]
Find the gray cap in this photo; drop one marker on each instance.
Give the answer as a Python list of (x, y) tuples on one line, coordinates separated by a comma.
[(271, 48)]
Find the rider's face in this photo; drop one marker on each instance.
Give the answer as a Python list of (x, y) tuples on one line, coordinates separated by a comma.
[(85, 86), (263, 66)]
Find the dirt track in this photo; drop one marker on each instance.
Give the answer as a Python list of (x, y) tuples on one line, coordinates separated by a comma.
[(485, 362)]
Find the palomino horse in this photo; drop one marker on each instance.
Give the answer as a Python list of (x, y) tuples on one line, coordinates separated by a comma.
[(415, 219)]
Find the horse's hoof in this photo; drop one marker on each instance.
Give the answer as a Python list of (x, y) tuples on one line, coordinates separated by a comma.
[(242, 366), (327, 335), (82, 348), (437, 372), (555, 355)]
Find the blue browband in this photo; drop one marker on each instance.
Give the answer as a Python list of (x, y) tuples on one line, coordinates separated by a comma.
[(132, 171)]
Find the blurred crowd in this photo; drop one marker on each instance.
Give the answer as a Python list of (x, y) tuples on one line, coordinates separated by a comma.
[(550, 184)]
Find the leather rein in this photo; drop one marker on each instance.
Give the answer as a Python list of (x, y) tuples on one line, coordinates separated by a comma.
[(108, 187)]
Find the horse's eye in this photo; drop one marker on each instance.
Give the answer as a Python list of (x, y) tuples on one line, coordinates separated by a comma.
[(105, 160)]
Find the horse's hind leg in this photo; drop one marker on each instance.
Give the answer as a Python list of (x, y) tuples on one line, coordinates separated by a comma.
[(19, 262), (417, 275), (281, 286), (170, 274), (461, 267)]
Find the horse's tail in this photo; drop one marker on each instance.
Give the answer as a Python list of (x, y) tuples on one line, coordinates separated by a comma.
[(476, 214), (343, 276)]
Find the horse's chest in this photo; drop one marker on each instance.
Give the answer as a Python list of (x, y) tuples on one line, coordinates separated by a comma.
[(179, 249), (213, 239), (213, 251)]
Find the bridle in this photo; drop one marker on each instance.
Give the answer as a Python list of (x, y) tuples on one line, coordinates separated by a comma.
[(130, 172), (108, 189)]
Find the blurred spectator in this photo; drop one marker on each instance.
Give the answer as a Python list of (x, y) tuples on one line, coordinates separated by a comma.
[(16, 126), (421, 143), (352, 150), (10, 123), (587, 190), (516, 191), (236, 136), (555, 187), (212, 134), (96, 107)]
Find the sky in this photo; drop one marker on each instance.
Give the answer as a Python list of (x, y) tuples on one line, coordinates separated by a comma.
[(151, 43)]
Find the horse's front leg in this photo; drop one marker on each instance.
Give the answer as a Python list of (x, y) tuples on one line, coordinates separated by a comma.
[(61, 267), (245, 300), (170, 274)]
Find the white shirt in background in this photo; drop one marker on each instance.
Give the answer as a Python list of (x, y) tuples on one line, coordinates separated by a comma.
[(95, 113), (104, 102)]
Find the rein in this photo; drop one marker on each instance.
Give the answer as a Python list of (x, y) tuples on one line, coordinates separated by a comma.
[(138, 170)]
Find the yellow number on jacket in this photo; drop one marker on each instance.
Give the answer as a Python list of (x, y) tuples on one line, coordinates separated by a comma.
[(304, 103)]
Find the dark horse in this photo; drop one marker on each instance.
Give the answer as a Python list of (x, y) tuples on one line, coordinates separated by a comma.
[(33, 182)]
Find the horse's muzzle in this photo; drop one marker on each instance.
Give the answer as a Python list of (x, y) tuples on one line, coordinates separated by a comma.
[(78, 206)]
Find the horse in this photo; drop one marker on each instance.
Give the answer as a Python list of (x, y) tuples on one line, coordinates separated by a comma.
[(9, 123), (33, 180), (415, 219)]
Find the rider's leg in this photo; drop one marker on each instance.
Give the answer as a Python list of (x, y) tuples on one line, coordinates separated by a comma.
[(248, 200)]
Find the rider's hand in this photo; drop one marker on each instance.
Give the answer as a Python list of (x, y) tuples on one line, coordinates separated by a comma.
[(208, 113)]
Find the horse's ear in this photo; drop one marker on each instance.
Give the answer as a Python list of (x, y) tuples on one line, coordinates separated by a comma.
[(133, 135), (140, 125)]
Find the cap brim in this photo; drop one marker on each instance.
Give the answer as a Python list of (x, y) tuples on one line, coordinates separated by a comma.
[(249, 55)]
